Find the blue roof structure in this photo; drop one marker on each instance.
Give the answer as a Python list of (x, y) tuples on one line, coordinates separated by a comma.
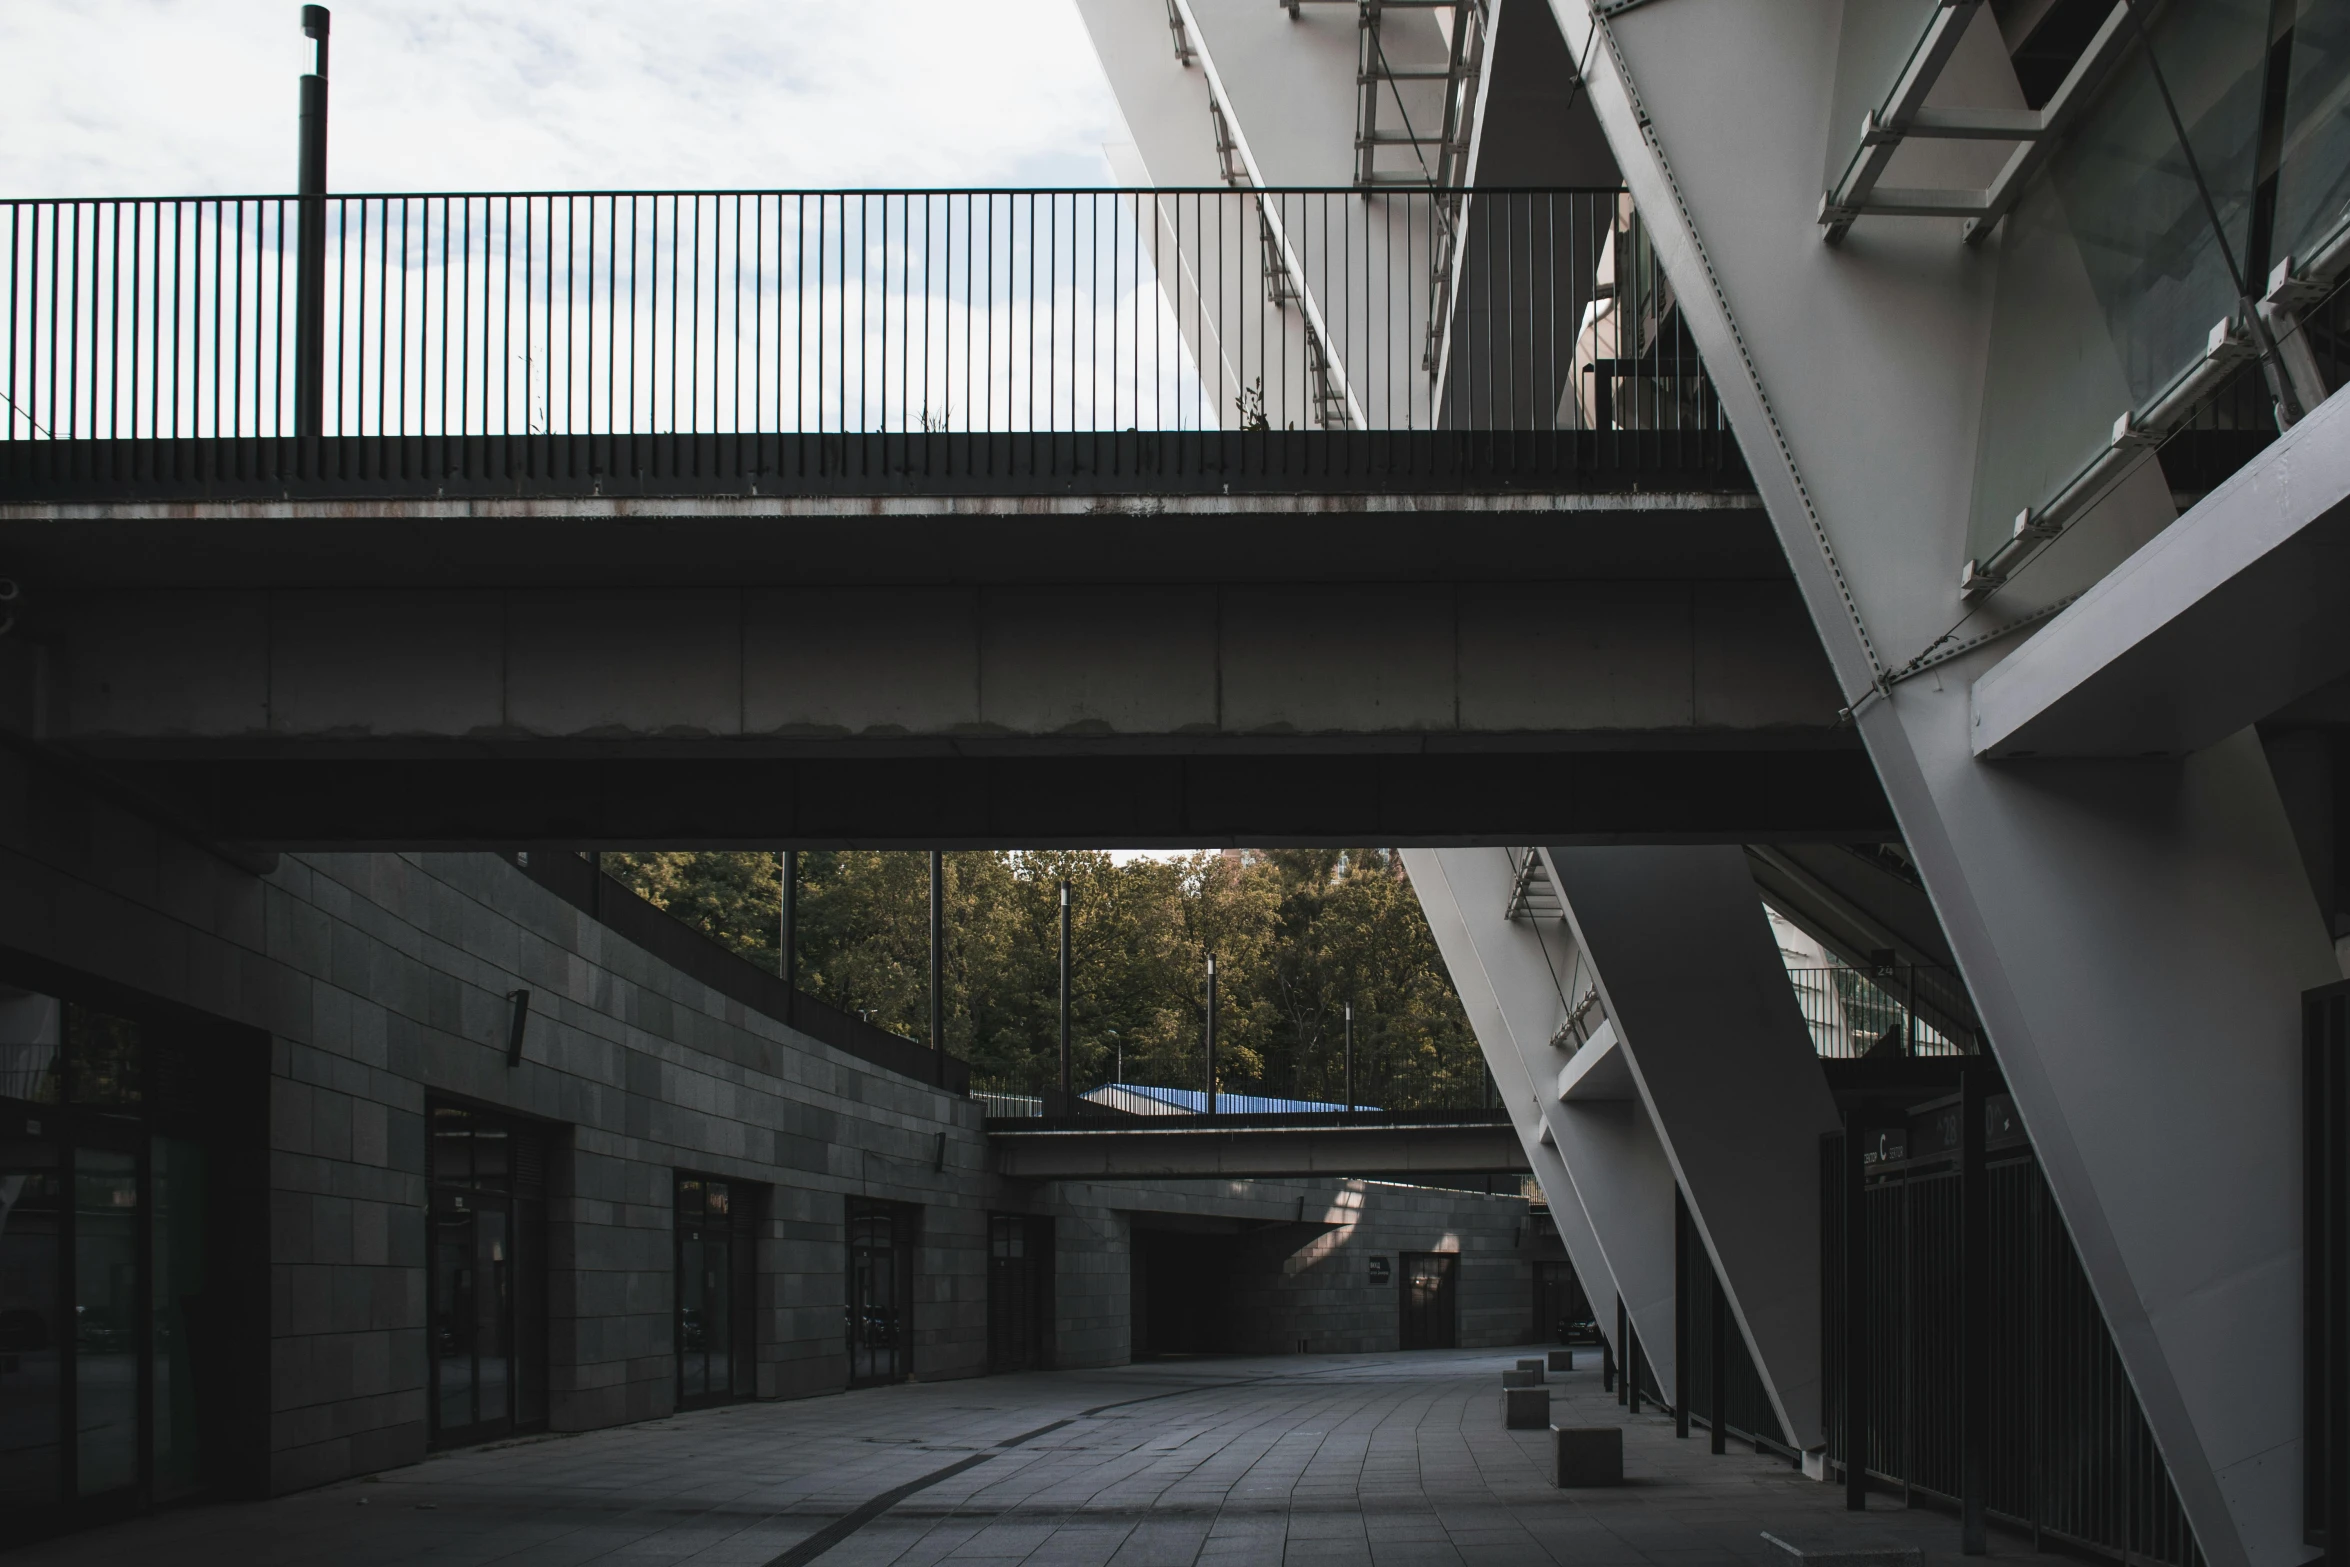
[(1194, 1101)]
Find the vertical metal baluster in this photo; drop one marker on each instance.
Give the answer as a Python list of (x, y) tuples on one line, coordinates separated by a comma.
[(987, 381), (179, 285), (116, 394), (15, 267), (758, 311)]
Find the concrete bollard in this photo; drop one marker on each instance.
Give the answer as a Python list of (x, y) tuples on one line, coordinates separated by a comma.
[(1534, 1365), (1562, 1360), (1525, 1408), (1590, 1455), (1521, 1379)]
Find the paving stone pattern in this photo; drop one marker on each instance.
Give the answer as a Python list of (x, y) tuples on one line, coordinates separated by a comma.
[(1394, 1459)]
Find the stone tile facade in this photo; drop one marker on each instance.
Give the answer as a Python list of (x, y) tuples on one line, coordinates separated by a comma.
[(380, 980)]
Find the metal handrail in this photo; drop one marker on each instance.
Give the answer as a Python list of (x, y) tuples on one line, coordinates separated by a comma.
[(486, 315)]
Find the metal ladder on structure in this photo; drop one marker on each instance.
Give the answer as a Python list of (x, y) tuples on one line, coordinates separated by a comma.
[(1534, 897)]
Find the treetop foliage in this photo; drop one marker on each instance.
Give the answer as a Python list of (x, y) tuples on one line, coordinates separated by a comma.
[(1297, 934)]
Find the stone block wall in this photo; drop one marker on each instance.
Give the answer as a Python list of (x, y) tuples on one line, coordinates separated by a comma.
[(363, 986)]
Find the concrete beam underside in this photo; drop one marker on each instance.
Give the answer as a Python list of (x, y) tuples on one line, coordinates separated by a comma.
[(1177, 663)]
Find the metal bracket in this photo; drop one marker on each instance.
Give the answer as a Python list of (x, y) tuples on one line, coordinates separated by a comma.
[(520, 1000), (1903, 115)]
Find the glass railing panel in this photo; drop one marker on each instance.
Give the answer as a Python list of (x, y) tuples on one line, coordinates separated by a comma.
[(1877, 43), (2111, 274), (2313, 170)]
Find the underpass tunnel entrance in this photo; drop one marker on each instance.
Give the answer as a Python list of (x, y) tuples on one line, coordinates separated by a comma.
[(1183, 1295)]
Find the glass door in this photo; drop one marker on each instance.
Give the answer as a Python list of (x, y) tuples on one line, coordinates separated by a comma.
[(116, 1365), (32, 1315), (1019, 1290), (1428, 1300), (108, 1319), (487, 1293), (880, 1292), (717, 1275), (182, 1327)]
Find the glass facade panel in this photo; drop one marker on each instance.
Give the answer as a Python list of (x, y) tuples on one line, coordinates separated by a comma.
[(32, 1035), (104, 1057), (1875, 46), (2313, 150), (179, 1322), (106, 1319), (2111, 273), (119, 1368), (32, 1470)]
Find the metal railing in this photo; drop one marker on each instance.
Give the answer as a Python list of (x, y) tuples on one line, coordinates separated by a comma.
[(1902, 1009), (599, 315), (2071, 1458)]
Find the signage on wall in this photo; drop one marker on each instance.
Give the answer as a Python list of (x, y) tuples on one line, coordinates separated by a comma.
[(1382, 1270)]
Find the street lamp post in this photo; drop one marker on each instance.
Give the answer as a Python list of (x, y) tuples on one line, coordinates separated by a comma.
[(1211, 1034), (1064, 993), (1350, 1056), (310, 242)]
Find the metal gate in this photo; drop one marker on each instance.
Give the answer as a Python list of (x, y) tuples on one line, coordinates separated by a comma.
[(2070, 1456)]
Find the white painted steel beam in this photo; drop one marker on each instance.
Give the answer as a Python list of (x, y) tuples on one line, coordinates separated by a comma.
[(1601, 1168), (2136, 935), (1696, 990)]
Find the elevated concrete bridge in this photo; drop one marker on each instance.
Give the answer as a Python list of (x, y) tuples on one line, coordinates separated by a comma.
[(1313, 647), (1401, 1144)]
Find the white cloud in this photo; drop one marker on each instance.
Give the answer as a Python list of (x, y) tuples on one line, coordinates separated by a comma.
[(155, 97)]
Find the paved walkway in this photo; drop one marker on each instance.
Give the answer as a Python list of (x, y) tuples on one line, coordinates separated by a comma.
[(1399, 1460)]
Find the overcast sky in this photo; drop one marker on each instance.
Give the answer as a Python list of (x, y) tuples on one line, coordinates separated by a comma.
[(195, 97)]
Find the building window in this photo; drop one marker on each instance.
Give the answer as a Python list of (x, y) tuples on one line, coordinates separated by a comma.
[(717, 1284), (1019, 1291), (488, 1285), (881, 1292), (118, 1349)]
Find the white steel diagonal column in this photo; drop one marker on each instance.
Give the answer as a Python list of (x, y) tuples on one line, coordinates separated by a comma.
[(1601, 1167), (2135, 933), (1697, 991)]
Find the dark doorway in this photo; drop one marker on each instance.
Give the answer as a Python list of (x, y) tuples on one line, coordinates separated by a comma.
[(1019, 1291), (1181, 1293), (488, 1285), (1427, 1304), (881, 1292), (1562, 1312), (121, 1248), (717, 1290)]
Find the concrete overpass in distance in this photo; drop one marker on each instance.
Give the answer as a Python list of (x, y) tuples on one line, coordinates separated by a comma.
[(1373, 1144), (1254, 647)]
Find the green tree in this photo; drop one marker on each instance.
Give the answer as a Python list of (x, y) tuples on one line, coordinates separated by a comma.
[(1297, 934)]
